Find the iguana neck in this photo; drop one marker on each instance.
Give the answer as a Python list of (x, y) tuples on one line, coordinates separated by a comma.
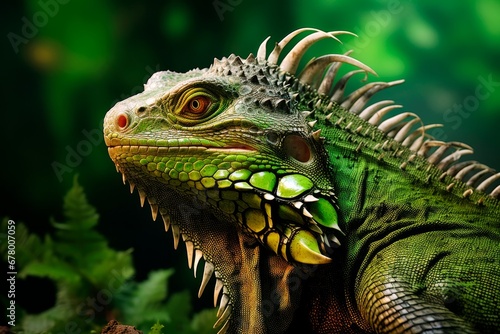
[(371, 168)]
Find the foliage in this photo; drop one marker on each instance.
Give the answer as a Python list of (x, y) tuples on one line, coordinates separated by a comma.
[(94, 282), (156, 329)]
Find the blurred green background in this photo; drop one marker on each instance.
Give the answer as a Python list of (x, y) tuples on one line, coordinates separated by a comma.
[(65, 63)]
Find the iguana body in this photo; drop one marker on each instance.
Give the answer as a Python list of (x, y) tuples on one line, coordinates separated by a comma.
[(315, 211)]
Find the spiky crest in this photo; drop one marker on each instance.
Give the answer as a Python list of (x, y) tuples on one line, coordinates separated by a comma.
[(405, 128)]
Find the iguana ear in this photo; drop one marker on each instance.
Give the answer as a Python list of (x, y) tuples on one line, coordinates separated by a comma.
[(297, 147)]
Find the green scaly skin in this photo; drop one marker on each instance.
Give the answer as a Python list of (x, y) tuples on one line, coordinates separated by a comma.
[(313, 211)]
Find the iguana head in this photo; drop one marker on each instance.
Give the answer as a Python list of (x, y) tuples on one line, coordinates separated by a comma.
[(232, 139), (226, 157)]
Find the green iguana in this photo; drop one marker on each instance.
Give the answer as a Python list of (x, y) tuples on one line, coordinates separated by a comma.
[(315, 211)]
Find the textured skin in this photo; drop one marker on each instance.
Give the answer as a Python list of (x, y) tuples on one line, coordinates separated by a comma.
[(363, 227)]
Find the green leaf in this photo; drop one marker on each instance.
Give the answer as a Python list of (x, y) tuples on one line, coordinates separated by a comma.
[(153, 290), (28, 246), (52, 268), (80, 214), (179, 305), (87, 273), (156, 328), (204, 321), (144, 306), (75, 237), (94, 281), (46, 321)]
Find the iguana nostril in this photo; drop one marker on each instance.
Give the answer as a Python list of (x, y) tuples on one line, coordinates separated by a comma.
[(122, 121)]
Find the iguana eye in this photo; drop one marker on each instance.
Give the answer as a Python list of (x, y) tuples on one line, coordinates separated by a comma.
[(197, 105)]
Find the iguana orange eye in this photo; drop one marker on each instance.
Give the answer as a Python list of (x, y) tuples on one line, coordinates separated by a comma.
[(197, 105)]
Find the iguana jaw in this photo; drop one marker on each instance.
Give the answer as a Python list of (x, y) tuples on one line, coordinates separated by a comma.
[(290, 221)]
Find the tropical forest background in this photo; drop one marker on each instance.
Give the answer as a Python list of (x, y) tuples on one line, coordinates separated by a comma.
[(66, 62)]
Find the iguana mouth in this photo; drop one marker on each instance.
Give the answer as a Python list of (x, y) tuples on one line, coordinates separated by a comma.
[(232, 148), (171, 150)]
